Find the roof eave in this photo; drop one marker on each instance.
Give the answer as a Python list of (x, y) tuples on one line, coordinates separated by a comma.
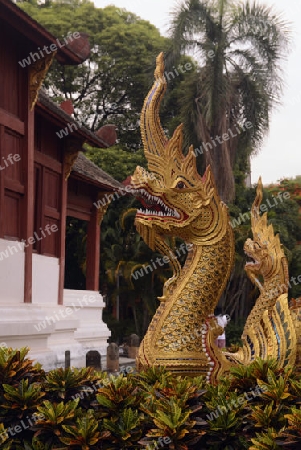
[(33, 31), (103, 186), (80, 133)]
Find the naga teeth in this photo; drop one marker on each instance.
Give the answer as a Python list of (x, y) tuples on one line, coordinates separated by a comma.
[(168, 211)]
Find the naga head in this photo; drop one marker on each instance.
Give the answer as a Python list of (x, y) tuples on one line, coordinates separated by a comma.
[(175, 199), (264, 249)]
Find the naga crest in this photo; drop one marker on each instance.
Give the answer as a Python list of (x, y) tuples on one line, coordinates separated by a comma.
[(270, 328), (265, 248), (175, 199)]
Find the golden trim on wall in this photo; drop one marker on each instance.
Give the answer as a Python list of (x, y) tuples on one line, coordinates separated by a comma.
[(37, 72)]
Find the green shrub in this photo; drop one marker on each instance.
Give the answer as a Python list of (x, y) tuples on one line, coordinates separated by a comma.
[(256, 407)]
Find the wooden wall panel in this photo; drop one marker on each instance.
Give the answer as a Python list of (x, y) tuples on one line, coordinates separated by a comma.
[(50, 143), (37, 133), (11, 94), (13, 105), (12, 186), (48, 181), (52, 189), (47, 205), (79, 198), (12, 224), (51, 237), (12, 145)]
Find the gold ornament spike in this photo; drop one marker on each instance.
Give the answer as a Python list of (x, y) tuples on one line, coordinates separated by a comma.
[(37, 73), (103, 204), (72, 149), (153, 137)]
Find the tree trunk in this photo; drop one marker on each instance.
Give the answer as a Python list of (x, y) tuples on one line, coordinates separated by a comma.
[(219, 155)]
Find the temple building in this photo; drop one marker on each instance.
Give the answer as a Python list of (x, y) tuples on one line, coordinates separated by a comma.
[(44, 179)]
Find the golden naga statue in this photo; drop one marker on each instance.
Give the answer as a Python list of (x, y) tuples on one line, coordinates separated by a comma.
[(270, 327), (178, 202)]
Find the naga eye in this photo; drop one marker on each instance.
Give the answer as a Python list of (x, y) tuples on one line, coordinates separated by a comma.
[(180, 185)]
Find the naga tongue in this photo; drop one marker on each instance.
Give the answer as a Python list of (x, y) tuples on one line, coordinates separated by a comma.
[(150, 204)]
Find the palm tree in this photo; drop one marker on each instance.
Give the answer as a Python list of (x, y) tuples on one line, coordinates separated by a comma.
[(228, 100)]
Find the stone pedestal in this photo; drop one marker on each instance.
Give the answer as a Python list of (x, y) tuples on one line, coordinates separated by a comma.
[(133, 346), (113, 358), (93, 359)]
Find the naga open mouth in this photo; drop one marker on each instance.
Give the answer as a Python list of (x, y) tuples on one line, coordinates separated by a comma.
[(253, 263), (154, 206), (252, 249)]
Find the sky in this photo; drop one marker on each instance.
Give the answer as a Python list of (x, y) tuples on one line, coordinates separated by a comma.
[(280, 154)]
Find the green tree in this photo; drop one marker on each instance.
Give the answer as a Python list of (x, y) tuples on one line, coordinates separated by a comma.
[(110, 86), (227, 103), (117, 162)]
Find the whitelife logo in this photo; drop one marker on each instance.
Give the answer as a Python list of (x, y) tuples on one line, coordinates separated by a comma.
[(52, 48), (236, 403), (23, 425), (10, 160), (263, 208), (220, 139), (70, 128), (12, 249), (65, 312), (184, 248)]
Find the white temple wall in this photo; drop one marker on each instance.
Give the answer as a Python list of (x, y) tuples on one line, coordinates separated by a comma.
[(12, 263), (45, 279), (47, 328)]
